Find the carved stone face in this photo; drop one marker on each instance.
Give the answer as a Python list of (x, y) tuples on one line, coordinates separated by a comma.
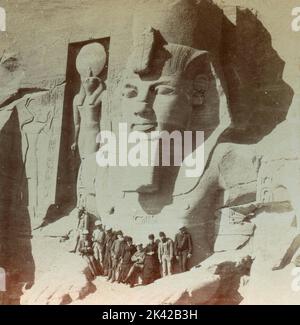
[(90, 84), (156, 102), (160, 88), (158, 94)]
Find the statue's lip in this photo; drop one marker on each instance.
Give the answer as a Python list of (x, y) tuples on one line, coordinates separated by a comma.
[(144, 126), (145, 123)]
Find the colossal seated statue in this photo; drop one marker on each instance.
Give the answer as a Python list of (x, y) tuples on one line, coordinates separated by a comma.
[(172, 82)]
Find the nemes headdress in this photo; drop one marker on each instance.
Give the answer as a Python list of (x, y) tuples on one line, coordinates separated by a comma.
[(151, 54), (171, 37)]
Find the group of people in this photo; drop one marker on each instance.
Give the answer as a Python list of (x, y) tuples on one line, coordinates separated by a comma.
[(114, 255)]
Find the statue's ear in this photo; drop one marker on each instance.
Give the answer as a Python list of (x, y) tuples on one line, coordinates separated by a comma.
[(199, 63), (198, 71), (199, 89), (201, 82)]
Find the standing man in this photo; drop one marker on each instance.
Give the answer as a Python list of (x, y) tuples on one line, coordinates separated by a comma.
[(86, 252), (98, 239), (165, 254), (107, 263), (183, 248), (128, 250), (116, 251), (82, 224), (151, 264)]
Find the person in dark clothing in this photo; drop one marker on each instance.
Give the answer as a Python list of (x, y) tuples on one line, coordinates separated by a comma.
[(183, 248), (151, 264), (165, 254), (107, 263), (86, 251), (125, 264), (116, 251), (137, 267)]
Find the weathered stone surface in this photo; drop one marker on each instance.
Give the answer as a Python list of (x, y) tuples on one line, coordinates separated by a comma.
[(252, 86), (186, 289), (40, 119), (60, 277), (60, 228), (230, 242), (11, 76), (232, 230), (274, 234)]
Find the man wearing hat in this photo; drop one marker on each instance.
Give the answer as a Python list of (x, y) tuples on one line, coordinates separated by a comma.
[(151, 264), (109, 239), (86, 252), (165, 253), (98, 239), (183, 248), (116, 251), (82, 223)]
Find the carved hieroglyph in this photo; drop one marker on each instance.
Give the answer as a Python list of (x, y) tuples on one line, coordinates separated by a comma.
[(40, 118)]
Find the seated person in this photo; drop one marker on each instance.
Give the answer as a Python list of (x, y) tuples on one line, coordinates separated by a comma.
[(126, 263), (137, 267)]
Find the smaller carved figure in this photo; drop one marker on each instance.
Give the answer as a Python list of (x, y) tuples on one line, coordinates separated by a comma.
[(87, 103)]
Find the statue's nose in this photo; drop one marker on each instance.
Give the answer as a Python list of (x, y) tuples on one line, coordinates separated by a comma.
[(143, 94), (142, 109)]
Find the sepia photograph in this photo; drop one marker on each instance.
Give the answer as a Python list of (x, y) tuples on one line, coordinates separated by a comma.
[(149, 154)]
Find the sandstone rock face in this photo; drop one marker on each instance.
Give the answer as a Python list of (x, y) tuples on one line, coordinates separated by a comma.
[(232, 231), (271, 245), (60, 277), (232, 72)]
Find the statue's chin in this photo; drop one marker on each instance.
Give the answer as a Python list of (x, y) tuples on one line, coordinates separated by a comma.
[(148, 188), (147, 127), (141, 179)]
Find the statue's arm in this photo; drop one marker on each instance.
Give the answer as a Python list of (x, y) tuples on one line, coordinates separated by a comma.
[(76, 118), (101, 101), (210, 186)]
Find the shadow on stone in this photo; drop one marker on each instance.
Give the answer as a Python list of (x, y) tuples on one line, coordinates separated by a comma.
[(258, 96), (15, 227)]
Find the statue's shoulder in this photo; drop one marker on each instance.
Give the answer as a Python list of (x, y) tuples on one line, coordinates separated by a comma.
[(78, 100)]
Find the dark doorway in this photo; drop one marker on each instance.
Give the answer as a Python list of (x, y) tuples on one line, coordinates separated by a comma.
[(69, 162)]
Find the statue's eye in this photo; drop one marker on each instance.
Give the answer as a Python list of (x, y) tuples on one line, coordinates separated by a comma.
[(165, 90), (129, 92)]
